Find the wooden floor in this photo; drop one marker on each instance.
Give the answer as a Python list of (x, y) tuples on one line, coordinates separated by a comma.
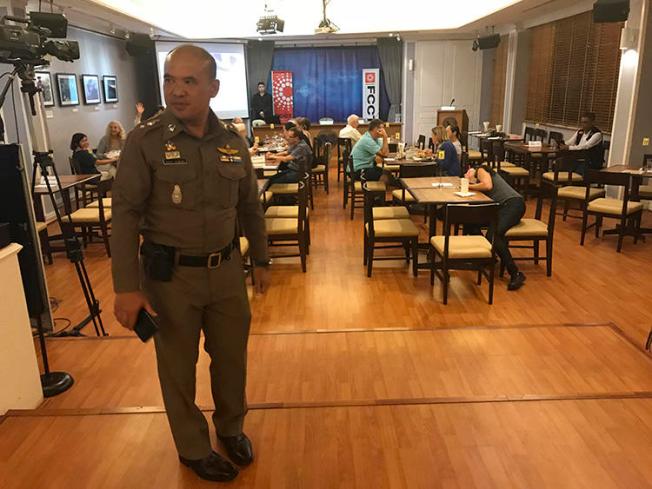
[(373, 383)]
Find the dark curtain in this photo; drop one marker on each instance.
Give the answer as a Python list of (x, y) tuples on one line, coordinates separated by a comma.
[(327, 81), (259, 64), (147, 84), (390, 51)]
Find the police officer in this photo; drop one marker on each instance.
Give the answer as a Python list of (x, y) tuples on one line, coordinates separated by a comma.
[(184, 182)]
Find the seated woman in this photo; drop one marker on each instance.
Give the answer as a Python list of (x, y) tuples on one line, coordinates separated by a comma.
[(85, 161), (446, 154), (297, 160), (438, 136), (110, 146), (303, 123), (453, 135), (512, 209)]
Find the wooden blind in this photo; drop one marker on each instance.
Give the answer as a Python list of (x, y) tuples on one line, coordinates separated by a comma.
[(574, 68), (498, 84)]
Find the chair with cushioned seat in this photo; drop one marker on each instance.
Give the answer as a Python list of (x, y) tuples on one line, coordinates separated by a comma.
[(90, 218), (343, 149), (320, 171), (379, 227), (464, 252), (106, 201), (291, 231), (353, 188), (627, 212), (535, 230), (402, 196)]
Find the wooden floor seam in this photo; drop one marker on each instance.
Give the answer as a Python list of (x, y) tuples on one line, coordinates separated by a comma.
[(337, 404)]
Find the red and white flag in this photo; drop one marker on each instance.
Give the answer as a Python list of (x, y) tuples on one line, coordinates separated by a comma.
[(283, 95)]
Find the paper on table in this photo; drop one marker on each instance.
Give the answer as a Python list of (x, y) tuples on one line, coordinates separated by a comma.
[(442, 184), (464, 194)]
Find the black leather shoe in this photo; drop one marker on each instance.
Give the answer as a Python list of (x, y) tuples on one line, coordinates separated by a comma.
[(516, 281), (238, 448), (214, 467)]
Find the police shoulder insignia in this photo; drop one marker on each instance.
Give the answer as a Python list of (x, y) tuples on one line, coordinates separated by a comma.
[(228, 150)]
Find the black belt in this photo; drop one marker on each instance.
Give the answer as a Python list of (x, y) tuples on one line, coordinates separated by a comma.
[(213, 260)]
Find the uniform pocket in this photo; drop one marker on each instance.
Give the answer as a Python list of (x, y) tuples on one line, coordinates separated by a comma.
[(228, 183), (176, 186)]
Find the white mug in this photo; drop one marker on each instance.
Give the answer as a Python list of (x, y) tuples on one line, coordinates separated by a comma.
[(486, 126), (499, 128)]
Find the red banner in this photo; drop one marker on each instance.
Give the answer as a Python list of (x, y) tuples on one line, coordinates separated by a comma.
[(283, 95)]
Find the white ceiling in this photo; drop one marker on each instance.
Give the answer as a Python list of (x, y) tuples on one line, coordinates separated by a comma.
[(236, 19)]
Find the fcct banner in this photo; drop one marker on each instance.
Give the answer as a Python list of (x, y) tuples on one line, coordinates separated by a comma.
[(370, 93), (282, 93)]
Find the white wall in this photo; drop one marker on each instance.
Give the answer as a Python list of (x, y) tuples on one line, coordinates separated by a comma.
[(444, 70)]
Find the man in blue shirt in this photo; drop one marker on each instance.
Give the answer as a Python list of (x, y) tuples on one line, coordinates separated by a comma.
[(367, 149)]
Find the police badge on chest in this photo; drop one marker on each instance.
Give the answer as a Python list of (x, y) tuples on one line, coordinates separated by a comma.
[(171, 155)]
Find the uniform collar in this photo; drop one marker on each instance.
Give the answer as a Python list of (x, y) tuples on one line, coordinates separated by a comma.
[(172, 126)]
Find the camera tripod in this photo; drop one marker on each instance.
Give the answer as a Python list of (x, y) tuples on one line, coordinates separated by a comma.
[(53, 383)]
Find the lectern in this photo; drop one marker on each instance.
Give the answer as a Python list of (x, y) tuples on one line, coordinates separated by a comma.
[(446, 117)]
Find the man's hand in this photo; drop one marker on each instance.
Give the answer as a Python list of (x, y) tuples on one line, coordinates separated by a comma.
[(140, 108), (261, 276), (563, 147), (261, 114), (383, 133), (128, 305)]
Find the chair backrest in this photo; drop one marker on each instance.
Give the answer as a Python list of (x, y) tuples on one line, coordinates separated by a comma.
[(343, 145), (370, 197), (487, 150), (528, 134), (302, 199), (421, 141), (608, 178), (475, 215), (326, 155), (257, 123), (415, 171), (74, 166), (540, 135), (647, 159), (555, 136), (564, 162)]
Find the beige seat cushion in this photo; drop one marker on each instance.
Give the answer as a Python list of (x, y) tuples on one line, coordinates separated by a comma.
[(284, 188), (319, 169), (398, 212), (463, 246), (394, 228), (398, 195), (244, 246), (106, 201), (283, 211), (528, 227), (645, 191), (474, 155), (90, 216), (579, 193), (267, 196), (506, 164), (41, 226), (613, 207), (392, 167), (276, 226), (563, 176), (372, 186), (269, 173), (515, 171)]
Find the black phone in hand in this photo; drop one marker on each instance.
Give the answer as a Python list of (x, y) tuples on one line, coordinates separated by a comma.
[(146, 326)]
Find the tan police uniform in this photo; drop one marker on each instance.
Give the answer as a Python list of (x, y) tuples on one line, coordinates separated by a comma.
[(188, 193)]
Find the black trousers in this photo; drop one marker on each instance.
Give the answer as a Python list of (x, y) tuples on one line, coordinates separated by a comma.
[(509, 215)]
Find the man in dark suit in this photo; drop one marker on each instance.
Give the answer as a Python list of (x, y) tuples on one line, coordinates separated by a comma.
[(261, 105)]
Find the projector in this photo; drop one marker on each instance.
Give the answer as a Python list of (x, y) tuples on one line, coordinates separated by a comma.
[(270, 24)]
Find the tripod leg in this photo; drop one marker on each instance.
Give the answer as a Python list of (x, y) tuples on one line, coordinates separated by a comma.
[(95, 303)]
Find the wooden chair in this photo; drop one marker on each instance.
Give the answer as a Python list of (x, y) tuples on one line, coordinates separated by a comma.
[(421, 141), (535, 230), (401, 196), (627, 212), (320, 170), (291, 231), (343, 149), (464, 252), (89, 219), (381, 227), (569, 186), (353, 191), (556, 137), (85, 193), (645, 191), (42, 231)]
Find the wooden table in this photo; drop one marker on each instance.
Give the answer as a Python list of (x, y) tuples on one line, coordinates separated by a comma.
[(432, 197), (263, 131), (67, 182)]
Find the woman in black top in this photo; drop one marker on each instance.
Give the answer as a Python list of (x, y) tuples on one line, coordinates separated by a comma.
[(84, 161)]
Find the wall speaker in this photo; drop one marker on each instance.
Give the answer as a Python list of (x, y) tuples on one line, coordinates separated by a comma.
[(610, 10), (139, 44), (486, 42)]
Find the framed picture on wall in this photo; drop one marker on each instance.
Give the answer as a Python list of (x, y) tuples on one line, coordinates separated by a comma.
[(68, 92), (44, 82), (110, 84), (91, 87)]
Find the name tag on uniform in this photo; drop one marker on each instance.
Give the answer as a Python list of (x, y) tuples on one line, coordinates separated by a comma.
[(174, 162), (441, 154), (230, 159), (172, 156)]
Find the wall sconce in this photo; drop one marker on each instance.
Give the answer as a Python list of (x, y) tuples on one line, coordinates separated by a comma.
[(629, 38)]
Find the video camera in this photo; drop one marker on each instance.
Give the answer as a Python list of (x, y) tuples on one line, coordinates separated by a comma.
[(30, 44)]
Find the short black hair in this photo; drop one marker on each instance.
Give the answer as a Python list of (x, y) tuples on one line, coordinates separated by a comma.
[(260, 83), (374, 124), (294, 132), (589, 115), (75, 140), (289, 125), (455, 130)]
